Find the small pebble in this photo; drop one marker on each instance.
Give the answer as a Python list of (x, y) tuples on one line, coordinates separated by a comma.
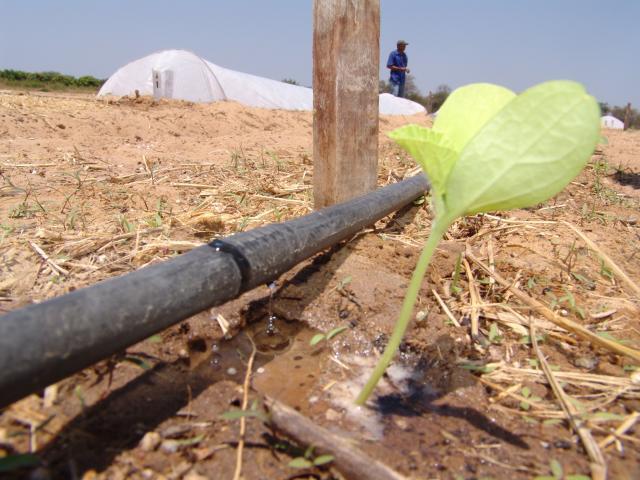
[(231, 371), (401, 423), (150, 441), (260, 370), (148, 473), (635, 377), (314, 399), (194, 476), (170, 446), (588, 363), (332, 415)]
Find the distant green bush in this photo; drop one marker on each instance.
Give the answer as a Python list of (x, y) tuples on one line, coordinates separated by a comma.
[(54, 80)]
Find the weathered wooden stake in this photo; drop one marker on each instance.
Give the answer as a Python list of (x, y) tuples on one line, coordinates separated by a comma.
[(346, 51)]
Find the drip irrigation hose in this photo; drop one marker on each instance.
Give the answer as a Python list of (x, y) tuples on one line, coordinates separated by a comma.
[(43, 343)]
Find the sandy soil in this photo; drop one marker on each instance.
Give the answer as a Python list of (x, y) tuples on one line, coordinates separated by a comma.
[(105, 187)]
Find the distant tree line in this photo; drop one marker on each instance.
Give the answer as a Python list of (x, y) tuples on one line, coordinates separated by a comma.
[(432, 101), (44, 79), (631, 115)]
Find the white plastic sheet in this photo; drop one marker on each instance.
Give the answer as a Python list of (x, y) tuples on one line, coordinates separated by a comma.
[(183, 75), (609, 121)]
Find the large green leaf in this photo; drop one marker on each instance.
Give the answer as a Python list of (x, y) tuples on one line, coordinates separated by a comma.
[(527, 153), (468, 109), (430, 150)]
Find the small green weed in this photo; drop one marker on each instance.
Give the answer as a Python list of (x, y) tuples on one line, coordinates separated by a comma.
[(6, 231), (326, 336), (557, 473), (495, 336), (526, 393), (22, 210), (125, 225), (455, 288), (255, 410), (308, 460)]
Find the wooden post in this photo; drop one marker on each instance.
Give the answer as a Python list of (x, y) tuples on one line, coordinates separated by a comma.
[(346, 51)]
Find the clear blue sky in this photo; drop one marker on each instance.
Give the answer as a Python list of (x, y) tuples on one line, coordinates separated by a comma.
[(516, 43)]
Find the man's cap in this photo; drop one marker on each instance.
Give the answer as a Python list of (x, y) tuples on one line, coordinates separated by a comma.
[(402, 42)]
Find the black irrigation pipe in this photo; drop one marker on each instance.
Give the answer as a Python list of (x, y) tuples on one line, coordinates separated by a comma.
[(43, 343)]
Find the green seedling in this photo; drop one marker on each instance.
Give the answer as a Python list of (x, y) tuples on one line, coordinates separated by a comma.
[(157, 219), (526, 340), (494, 334), (21, 211), (571, 302), (455, 288), (344, 282), (605, 271), (6, 230), (492, 150), (551, 422), (255, 410), (587, 282), (557, 473), (125, 224), (526, 393), (308, 460), (317, 338)]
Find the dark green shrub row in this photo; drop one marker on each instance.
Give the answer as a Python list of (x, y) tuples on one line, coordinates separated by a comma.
[(18, 76)]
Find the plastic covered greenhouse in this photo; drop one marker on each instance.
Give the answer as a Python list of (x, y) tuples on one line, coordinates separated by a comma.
[(183, 75)]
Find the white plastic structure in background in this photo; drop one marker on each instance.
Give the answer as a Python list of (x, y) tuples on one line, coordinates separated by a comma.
[(183, 75), (609, 121), (192, 80)]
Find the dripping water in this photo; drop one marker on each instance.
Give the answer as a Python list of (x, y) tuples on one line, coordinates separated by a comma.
[(271, 318)]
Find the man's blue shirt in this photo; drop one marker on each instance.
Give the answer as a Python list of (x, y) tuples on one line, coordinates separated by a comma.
[(397, 59)]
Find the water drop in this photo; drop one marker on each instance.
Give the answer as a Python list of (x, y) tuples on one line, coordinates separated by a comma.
[(271, 318), (271, 325), (215, 361)]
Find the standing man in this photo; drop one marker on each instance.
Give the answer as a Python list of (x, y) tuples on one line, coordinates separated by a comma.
[(397, 63)]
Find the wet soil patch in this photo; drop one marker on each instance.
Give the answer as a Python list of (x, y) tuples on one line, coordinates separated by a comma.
[(627, 178)]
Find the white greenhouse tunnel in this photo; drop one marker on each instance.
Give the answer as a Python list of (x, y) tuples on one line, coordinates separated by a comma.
[(182, 75), (611, 122)]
